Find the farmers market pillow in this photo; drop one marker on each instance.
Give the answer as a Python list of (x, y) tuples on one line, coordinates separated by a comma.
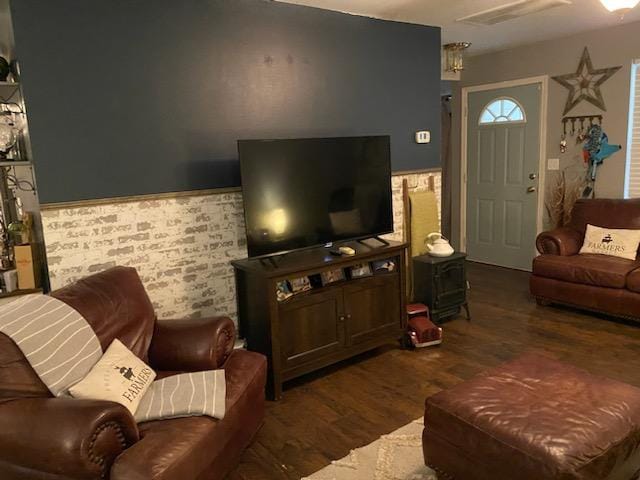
[(609, 241), (119, 376)]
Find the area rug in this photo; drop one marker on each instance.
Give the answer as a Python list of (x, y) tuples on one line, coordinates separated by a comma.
[(397, 456)]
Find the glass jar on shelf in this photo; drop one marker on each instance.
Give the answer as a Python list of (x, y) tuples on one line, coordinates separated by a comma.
[(8, 134), (11, 128), (19, 230)]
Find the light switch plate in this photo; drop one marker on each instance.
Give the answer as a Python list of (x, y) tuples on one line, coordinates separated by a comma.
[(553, 164), (423, 136)]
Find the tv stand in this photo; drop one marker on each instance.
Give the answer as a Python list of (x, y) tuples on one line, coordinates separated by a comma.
[(329, 323)]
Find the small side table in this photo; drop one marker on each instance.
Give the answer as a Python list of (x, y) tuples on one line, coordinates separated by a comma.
[(441, 284)]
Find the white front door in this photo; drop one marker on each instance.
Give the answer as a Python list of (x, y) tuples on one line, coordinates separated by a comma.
[(503, 157)]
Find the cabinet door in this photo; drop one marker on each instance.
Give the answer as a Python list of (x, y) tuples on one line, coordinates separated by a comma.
[(372, 308), (450, 284), (311, 327)]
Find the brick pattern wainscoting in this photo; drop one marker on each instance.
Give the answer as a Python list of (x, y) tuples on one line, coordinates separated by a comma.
[(415, 181), (181, 246)]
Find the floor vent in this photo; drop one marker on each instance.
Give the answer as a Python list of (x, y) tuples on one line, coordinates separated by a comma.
[(512, 10)]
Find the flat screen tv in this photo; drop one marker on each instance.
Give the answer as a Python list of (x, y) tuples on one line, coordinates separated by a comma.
[(308, 192)]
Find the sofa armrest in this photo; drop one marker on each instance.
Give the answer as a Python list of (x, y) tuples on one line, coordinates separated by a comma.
[(193, 344), (561, 241), (64, 436)]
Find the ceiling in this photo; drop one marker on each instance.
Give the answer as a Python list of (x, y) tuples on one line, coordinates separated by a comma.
[(582, 15)]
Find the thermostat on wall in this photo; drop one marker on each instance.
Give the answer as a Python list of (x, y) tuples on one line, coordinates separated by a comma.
[(423, 136)]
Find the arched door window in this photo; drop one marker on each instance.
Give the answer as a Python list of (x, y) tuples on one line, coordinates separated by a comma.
[(502, 110)]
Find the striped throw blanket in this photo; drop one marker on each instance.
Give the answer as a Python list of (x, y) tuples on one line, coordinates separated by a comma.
[(184, 395), (62, 348), (56, 340)]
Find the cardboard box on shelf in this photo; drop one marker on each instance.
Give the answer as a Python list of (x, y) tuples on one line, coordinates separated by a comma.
[(26, 267)]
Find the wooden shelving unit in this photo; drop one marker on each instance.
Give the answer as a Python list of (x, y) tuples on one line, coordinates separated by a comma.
[(18, 180), (8, 91), (16, 163), (18, 293)]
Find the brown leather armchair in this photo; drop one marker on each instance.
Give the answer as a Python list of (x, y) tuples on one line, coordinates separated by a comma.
[(48, 438), (599, 283)]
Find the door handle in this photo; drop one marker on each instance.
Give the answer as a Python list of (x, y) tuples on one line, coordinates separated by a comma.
[(531, 189), (533, 176)]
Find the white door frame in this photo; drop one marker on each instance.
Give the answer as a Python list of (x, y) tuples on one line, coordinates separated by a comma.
[(543, 80)]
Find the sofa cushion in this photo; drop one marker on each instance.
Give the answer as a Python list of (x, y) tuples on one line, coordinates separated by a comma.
[(605, 212), (116, 305), (184, 447), (620, 302), (633, 281), (588, 269)]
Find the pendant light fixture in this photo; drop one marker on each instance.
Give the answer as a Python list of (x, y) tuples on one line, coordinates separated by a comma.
[(619, 6), (453, 60)]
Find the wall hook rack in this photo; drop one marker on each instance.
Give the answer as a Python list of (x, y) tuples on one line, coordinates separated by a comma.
[(592, 119)]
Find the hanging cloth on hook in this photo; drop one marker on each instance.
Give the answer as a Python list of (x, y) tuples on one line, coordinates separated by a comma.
[(597, 149)]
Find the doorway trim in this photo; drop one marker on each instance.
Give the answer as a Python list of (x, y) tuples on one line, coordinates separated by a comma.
[(543, 81)]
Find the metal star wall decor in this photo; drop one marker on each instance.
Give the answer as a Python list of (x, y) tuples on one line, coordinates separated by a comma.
[(585, 83)]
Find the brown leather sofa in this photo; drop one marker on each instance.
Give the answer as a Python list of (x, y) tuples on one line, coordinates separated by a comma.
[(599, 283), (47, 438)]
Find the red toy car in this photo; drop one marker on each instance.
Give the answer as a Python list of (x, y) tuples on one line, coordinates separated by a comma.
[(421, 332)]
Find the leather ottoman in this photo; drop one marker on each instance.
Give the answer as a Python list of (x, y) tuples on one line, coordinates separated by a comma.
[(534, 419)]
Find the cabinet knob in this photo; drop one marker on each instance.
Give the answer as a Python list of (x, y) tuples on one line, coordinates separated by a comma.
[(348, 315)]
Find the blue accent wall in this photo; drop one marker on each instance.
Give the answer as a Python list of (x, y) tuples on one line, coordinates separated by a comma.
[(129, 97)]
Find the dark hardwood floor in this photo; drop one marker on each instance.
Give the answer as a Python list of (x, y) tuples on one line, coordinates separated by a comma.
[(326, 414)]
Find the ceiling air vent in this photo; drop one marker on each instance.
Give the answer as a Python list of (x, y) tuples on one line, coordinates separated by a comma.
[(512, 10)]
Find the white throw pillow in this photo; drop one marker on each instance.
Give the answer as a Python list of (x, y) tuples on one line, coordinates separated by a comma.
[(610, 241), (119, 376)]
